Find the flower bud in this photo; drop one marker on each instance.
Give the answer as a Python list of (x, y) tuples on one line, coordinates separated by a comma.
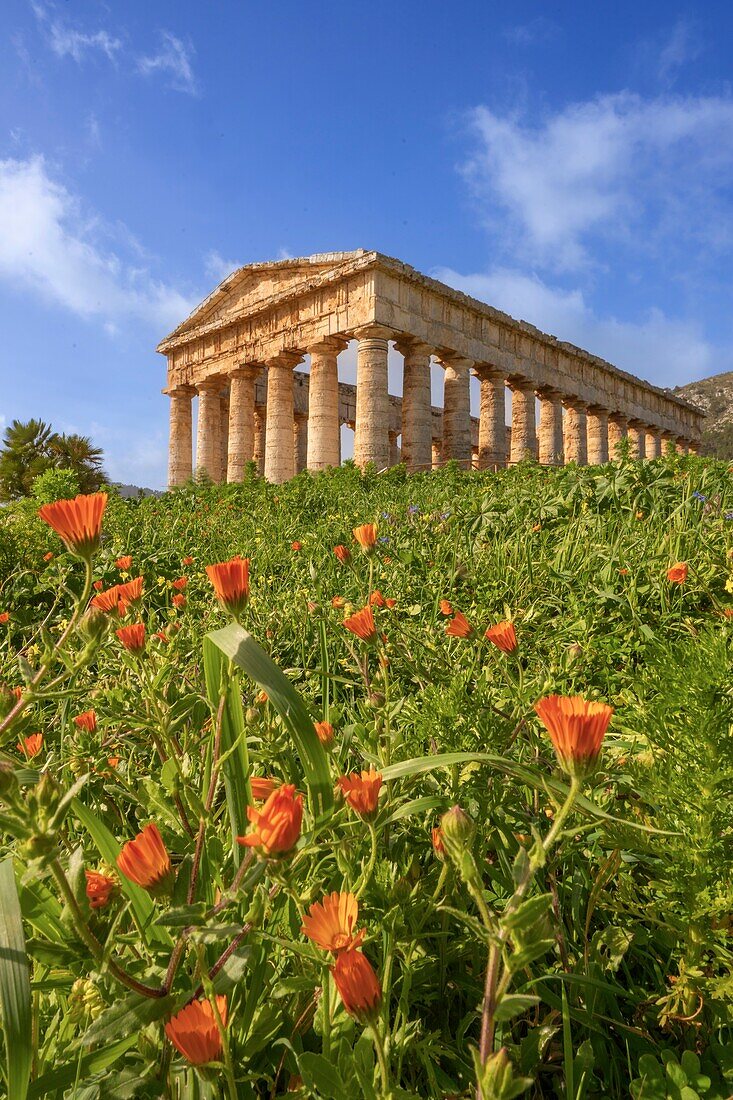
[(8, 781), (93, 624)]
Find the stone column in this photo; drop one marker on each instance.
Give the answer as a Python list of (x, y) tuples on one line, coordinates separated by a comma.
[(524, 434), (550, 436), (695, 447), (180, 439), (653, 442), (492, 420), (637, 439), (324, 432), (207, 433), (223, 436), (596, 420), (371, 438), (682, 447), (279, 448), (395, 454), (417, 404), (576, 437), (669, 443), (241, 420), (436, 452), (300, 442), (617, 427), (260, 435), (457, 411)]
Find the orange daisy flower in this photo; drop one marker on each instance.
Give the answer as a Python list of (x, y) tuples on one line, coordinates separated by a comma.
[(366, 536), (342, 553), (86, 721), (437, 839), (446, 608), (77, 522), (108, 601), (276, 827), (503, 636), (330, 923), (179, 600), (576, 728), (99, 889), (296, 545), (31, 746), (48, 556), (324, 732), (132, 637), (357, 984), (390, 603), (677, 574), (261, 787), (361, 623), (338, 602), (188, 560), (180, 583), (146, 862), (113, 761), (231, 584), (377, 599), (124, 563), (361, 791), (194, 1033), (130, 591), (4, 617), (459, 626)]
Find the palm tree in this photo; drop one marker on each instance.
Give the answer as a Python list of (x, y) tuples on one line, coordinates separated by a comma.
[(77, 453), (26, 453)]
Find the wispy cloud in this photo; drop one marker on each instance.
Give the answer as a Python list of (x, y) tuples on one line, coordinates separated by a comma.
[(535, 30), (603, 168), (67, 41), (217, 268), (174, 60), (54, 248)]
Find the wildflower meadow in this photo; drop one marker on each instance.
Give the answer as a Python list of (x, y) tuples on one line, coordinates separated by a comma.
[(371, 786)]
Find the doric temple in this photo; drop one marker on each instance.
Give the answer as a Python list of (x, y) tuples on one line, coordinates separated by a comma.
[(238, 350)]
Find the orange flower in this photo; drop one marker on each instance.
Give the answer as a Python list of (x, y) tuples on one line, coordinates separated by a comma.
[(124, 563), (361, 791), (231, 584), (261, 787), (107, 601), (377, 599), (728, 612), (194, 1031), (342, 553), (276, 827), (459, 626), (438, 845), (296, 545), (130, 591), (99, 889), (357, 984), (180, 583), (31, 745), (330, 923), (503, 636), (132, 637), (446, 608), (677, 574), (48, 556), (179, 600), (86, 721), (78, 522), (390, 603), (4, 617), (324, 731), (145, 861), (366, 536), (338, 602), (577, 728), (536, 527), (188, 560), (162, 636), (623, 572), (361, 623), (113, 761)]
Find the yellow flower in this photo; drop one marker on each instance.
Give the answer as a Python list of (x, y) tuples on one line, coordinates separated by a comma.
[(729, 585)]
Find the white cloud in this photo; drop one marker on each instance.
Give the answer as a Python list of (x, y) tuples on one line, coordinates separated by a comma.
[(604, 168), (535, 30), (217, 268), (66, 41), (174, 59), (665, 350), (681, 46), (48, 246)]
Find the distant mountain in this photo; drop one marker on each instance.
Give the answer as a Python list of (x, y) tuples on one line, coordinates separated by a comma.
[(715, 397), (127, 491)]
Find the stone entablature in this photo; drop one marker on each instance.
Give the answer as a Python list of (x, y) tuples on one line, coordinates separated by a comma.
[(270, 316)]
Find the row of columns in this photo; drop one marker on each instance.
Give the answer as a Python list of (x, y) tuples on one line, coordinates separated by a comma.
[(233, 430)]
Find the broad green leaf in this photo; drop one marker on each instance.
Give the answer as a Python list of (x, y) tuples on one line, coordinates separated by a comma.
[(15, 988), (241, 648), (233, 747), (127, 1016), (513, 1004), (60, 1077)]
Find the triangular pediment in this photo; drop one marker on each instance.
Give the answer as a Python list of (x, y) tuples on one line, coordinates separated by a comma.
[(249, 287)]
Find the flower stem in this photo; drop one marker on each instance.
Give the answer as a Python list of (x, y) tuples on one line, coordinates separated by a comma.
[(381, 1058)]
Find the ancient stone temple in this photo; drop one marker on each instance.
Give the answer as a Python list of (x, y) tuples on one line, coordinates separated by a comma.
[(237, 353)]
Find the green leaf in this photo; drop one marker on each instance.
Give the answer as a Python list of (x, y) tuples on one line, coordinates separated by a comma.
[(60, 1077), (127, 1017), (528, 913), (109, 849), (320, 1075), (241, 648), (234, 757), (513, 1004), (15, 988)]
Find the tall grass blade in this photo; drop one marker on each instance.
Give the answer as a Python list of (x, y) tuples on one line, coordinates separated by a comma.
[(15, 988)]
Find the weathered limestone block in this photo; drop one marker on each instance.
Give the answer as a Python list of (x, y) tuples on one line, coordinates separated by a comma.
[(180, 440), (524, 434), (551, 430), (617, 429), (417, 403), (653, 442), (371, 439), (457, 411), (260, 426), (207, 430), (241, 420), (223, 437), (492, 441), (596, 420), (324, 434), (300, 442), (395, 453), (279, 451), (575, 435), (637, 439)]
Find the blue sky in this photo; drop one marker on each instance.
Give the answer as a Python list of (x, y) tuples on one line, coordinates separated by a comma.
[(570, 163)]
